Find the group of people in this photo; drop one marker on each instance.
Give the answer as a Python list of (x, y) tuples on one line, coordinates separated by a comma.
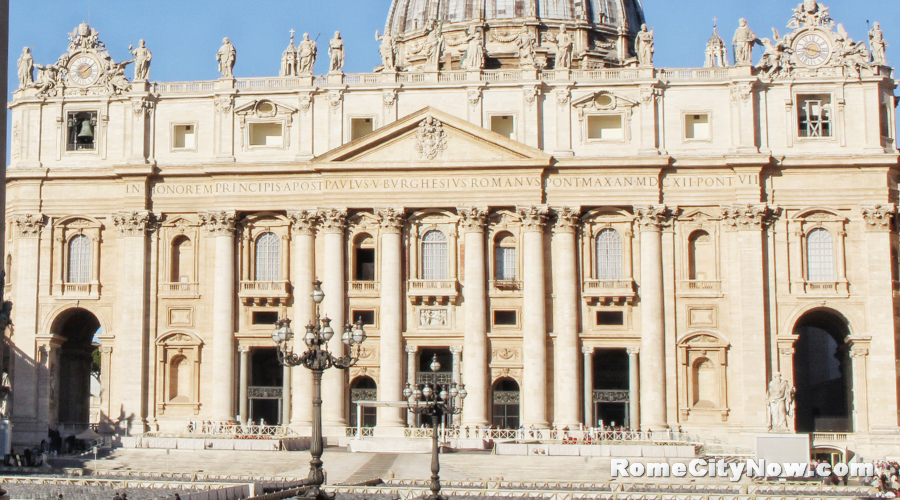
[(885, 479)]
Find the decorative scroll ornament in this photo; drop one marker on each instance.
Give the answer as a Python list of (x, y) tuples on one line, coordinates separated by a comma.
[(389, 97), (473, 96), (140, 106), (533, 217), (810, 14), (29, 225), (218, 223), (133, 223), (749, 216), (566, 219), (879, 216), (431, 140), (391, 220), (333, 220), (530, 94), (334, 99), (472, 219), (305, 102), (303, 221), (224, 103), (505, 354)]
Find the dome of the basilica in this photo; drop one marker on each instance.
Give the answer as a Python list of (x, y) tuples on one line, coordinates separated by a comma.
[(601, 32)]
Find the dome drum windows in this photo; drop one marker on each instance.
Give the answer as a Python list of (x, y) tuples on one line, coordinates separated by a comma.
[(433, 247), (77, 256), (607, 264)]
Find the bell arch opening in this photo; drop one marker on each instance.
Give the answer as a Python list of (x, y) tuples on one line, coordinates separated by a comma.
[(823, 373), (76, 376)]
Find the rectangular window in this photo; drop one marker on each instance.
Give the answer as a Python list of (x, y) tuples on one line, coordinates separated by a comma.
[(885, 121), (184, 137), (265, 317), (505, 318), (696, 127), (814, 115), (610, 318), (82, 128), (605, 127), (504, 125), (266, 134), (360, 127), (367, 317), (505, 263), (365, 264)]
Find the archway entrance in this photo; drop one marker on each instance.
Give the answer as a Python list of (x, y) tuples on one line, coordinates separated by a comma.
[(363, 389), (74, 373), (505, 407), (611, 387), (265, 391), (822, 373)]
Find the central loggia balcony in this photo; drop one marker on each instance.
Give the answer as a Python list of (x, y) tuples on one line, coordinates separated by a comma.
[(264, 292), (432, 291), (363, 288), (621, 290)]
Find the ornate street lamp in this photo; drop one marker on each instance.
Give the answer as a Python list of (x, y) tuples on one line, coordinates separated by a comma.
[(437, 401), (318, 359)]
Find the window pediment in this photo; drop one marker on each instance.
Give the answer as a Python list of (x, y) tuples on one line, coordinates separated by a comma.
[(264, 108), (603, 100)]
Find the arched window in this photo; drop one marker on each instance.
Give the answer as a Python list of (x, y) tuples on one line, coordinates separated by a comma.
[(505, 257), (819, 255), (434, 256), (701, 260), (79, 264), (268, 257), (609, 255), (182, 260), (706, 388), (179, 379)]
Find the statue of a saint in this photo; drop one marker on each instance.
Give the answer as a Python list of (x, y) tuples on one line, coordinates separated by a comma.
[(877, 43), (743, 41), (5, 390), (26, 69), (336, 53), (473, 59), (433, 47), (142, 58), (526, 43), (226, 57), (306, 55), (780, 403), (643, 46), (563, 49), (386, 50)]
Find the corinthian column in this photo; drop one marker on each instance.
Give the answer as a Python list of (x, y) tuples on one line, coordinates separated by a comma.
[(333, 223), (390, 387), (303, 273), (25, 314), (475, 358), (220, 225), (131, 332), (565, 318), (653, 341), (534, 318)]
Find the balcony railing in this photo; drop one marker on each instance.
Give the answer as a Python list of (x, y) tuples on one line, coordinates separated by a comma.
[(80, 290), (428, 377), (825, 287), (180, 289), (829, 437), (442, 290), (364, 288), (264, 291), (618, 290), (506, 285), (712, 287)]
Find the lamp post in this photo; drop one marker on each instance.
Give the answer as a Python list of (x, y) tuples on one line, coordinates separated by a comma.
[(438, 400), (318, 358)]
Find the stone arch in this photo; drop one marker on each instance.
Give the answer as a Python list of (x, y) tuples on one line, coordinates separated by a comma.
[(363, 388), (70, 365), (506, 403)]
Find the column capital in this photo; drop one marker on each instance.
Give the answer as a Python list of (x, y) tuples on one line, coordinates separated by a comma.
[(653, 217), (472, 218), (219, 223), (533, 217), (134, 223), (587, 349), (859, 352), (633, 351), (391, 220), (750, 217), (333, 220), (303, 221), (29, 225), (411, 349), (565, 219), (456, 349), (243, 349), (878, 217)]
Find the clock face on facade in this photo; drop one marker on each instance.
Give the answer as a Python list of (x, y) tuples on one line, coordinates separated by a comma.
[(84, 70), (812, 49)]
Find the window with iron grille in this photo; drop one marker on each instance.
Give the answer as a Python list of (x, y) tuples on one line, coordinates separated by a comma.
[(268, 257), (81, 131), (814, 115), (434, 256), (609, 255), (819, 255), (79, 265)]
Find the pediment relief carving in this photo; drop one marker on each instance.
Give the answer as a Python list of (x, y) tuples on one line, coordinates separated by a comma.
[(700, 215), (704, 338), (178, 338), (819, 214), (264, 108), (603, 100)]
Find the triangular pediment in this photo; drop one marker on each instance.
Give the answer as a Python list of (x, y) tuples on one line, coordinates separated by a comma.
[(430, 137)]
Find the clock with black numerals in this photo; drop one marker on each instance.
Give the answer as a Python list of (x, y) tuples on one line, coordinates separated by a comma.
[(84, 70), (812, 49)]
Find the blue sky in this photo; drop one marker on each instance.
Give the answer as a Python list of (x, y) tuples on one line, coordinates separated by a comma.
[(184, 35)]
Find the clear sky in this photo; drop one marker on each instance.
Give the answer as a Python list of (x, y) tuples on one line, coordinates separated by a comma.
[(185, 34)]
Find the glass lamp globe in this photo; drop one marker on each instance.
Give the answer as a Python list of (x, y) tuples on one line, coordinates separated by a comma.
[(463, 392), (407, 392), (427, 391), (359, 334), (327, 330), (443, 395), (435, 366), (317, 294)]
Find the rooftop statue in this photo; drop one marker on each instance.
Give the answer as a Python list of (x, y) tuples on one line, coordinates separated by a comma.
[(743, 42), (226, 57), (526, 43), (877, 44), (849, 54), (25, 67), (336, 53), (473, 58), (142, 57), (306, 55), (433, 47), (776, 57), (564, 46), (810, 14), (387, 50), (643, 46)]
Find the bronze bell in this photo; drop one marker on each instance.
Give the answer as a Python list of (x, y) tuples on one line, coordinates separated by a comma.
[(85, 130)]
